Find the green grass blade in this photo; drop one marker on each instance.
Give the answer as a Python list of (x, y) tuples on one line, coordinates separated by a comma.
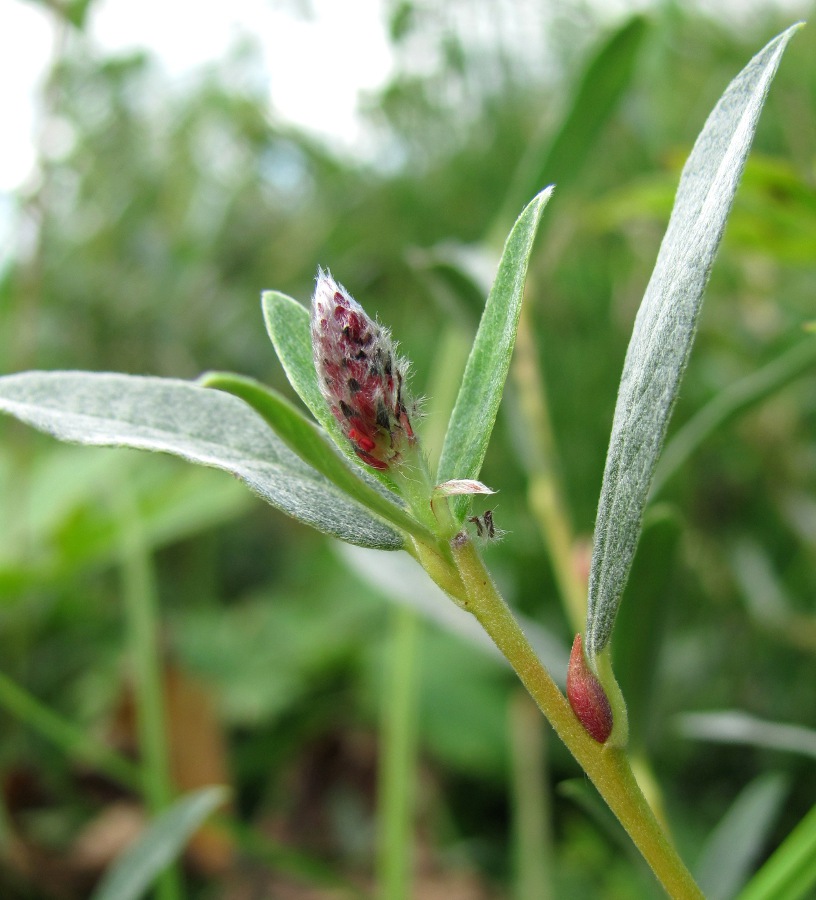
[(140, 595), (732, 726), (75, 741), (729, 403), (136, 869), (603, 83), (790, 873), (199, 425), (396, 788), (732, 848), (531, 800), (664, 332), (483, 383), (310, 442)]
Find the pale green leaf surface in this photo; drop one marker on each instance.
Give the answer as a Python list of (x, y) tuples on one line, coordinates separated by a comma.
[(478, 400), (732, 726), (136, 869), (664, 331), (197, 424), (311, 443), (733, 847), (287, 323)]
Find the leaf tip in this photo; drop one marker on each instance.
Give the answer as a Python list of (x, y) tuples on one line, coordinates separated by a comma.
[(210, 379), (544, 195)]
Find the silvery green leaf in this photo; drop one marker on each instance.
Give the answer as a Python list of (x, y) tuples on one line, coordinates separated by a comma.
[(165, 838), (197, 424), (287, 323), (309, 441), (664, 331)]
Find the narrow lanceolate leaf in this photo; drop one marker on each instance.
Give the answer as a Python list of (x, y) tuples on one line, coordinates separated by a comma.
[(664, 332), (200, 425), (312, 445), (483, 383), (164, 840)]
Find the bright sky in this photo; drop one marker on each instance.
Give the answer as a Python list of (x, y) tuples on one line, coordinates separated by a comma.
[(25, 41), (316, 68)]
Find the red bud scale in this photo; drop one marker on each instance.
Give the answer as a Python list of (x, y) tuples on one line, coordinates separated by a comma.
[(587, 696), (360, 375)]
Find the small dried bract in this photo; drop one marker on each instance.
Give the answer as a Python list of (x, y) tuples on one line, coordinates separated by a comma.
[(457, 486), (360, 375)]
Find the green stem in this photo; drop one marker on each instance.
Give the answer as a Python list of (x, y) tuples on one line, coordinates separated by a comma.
[(607, 767), (75, 742), (415, 484), (531, 801), (544, 490), (141, 605), (398, 760)]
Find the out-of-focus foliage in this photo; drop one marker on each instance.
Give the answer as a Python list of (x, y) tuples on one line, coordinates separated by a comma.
[(160, 213)]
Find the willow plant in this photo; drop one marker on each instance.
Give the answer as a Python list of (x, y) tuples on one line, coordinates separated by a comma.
[(356, 468)]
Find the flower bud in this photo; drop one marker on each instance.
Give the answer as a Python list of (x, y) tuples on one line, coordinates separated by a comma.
[(360, 375), (587, 696)]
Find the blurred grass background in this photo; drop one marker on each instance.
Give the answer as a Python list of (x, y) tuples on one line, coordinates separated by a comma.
[(157, 218)]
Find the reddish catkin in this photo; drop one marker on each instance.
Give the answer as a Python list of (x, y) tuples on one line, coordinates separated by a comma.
[(360, 375)]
